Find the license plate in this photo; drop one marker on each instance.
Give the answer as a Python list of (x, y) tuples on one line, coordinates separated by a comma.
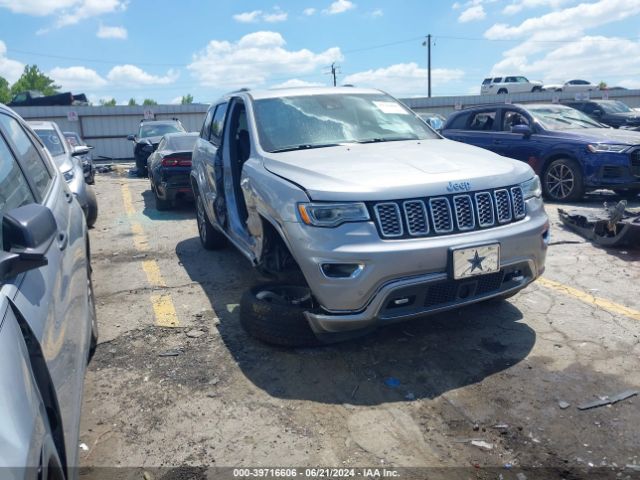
[(473, 261)]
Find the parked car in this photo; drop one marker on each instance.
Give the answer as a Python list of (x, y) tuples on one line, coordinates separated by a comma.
[(146, 140), (573, 86), (434, 120), (78, 146), (361, 212), (48, 329), (66, 160), (35, 98), (610, 112), (500, 85), (169, 169), (571, 152)]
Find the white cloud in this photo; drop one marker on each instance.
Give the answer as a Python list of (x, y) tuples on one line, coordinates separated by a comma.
[(309, 11), (472, 14), (135, 76), (38, 8), (248, 17), (112, 32), (176, 100), (9, 69), (253, 59), (377, 13), (295, 82), (516, 6), (77, 78), (83, 9), (256, 16), (583, 16), (339, 6), (403, 78)]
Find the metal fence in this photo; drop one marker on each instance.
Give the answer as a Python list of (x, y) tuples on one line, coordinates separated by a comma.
[(106, 128)]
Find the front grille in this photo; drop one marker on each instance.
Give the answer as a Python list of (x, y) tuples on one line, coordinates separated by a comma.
[(423, 217), (612, 171), (635, 162)]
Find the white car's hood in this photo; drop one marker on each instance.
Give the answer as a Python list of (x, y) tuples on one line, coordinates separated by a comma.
[(395, 170)]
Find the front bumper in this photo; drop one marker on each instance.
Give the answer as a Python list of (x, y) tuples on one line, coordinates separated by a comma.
[(390, 267)]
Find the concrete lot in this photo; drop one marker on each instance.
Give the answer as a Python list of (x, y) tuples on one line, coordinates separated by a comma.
[(494, 372)]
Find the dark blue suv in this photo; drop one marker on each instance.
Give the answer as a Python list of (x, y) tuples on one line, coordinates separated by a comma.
[(571, 152)]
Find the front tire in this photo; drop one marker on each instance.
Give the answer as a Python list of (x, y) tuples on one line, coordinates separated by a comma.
[(210, 237), (503, 91), (274, 314), (92, 207), (562, 181)]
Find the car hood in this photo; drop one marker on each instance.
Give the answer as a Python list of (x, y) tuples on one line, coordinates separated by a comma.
[(395, 170), (64, 162), (604, 135)]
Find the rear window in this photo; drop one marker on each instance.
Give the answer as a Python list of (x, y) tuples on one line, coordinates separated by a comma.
[(185, 143)]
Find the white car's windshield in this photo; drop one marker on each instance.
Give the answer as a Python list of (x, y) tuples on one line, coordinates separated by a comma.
[(314, 121), (562, 118), (51, 140)]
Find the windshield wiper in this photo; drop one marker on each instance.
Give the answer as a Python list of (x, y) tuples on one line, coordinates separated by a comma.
[(306, 146), (381, 139)]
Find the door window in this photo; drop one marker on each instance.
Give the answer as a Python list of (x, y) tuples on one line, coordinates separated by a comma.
[(218, 123), (14, 189), (483, 121), (206, 126), (511, 119), (33, 163)]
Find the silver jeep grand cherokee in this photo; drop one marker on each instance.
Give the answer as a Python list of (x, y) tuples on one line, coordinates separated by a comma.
[(362, 212)]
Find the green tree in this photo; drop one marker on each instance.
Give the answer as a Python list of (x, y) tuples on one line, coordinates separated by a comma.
[(132, 102), (5, 92), (187, 99), (33, 79), (149, 101), (108, 103), (602, 85)]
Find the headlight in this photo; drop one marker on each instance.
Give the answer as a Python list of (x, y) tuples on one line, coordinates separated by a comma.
[(606, 148), (68, 175), (531, 188), (332, 214)]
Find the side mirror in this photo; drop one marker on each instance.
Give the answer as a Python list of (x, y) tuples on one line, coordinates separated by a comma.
[(80, 150), (524, 130), (27, 233), (131, 137)]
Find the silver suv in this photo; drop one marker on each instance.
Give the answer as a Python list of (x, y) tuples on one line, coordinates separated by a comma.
[(362, 212)]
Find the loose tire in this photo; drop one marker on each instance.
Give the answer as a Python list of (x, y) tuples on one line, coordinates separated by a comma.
[(275, 314), (92, 207), (210, 237), (562, 181)]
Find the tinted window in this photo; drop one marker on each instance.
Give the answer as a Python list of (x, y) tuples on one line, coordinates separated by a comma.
[(459, 122), (497, 80), (217, 123), (483, 121), (511, 119), (522, 79), (31, 159), (206, 126), (510, 79), (486, 81), (51, 140), (14, 189)]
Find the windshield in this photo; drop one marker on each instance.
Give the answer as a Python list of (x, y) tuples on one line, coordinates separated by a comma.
[(52, 141), (562, 118), (314, 121), (159, 129), (615, 107), (182, 143)]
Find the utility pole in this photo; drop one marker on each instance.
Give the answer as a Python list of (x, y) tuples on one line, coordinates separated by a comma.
[(427, 43), (333, 73)]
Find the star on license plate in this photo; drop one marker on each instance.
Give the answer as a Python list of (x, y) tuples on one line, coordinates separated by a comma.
[(472, 261)]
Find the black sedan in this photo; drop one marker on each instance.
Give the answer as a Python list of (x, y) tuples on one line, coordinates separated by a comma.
[(610, 112), (169, 169)]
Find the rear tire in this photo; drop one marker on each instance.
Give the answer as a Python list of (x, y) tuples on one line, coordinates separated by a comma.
[(92, 207), (503, 91), (271, 314), (161, 204), (210, 237), (562, 181)]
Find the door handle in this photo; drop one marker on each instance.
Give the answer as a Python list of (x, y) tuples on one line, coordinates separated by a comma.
[(68, 196), (63, 240)]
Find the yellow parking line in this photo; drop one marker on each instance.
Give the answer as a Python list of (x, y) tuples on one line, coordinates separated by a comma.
[(164, 311), (163, 308), (590, 299)]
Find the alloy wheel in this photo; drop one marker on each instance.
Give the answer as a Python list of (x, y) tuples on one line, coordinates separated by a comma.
[(560, 181)]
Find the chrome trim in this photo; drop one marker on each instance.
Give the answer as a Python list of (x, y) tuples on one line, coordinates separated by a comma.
[(433, 222), (522, 203), (424, 213), (493, 213), (471, 211), (397, 210), (495, 196)]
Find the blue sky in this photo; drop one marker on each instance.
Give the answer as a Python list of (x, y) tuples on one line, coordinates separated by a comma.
[(165, 49)]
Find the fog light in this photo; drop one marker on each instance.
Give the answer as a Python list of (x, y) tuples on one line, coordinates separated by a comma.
[(341, 270)]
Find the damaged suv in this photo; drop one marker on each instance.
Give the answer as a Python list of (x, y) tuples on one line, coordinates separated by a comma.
[(361, 213)]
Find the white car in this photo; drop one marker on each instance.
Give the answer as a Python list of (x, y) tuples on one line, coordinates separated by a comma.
[(573, 86), (504, 85)]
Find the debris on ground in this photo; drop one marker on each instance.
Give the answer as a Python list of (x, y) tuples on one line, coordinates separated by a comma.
[(195, 333), (563, 405), (482, 444), (610, 227), (83, 447), (170, 353), (609, 400)]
